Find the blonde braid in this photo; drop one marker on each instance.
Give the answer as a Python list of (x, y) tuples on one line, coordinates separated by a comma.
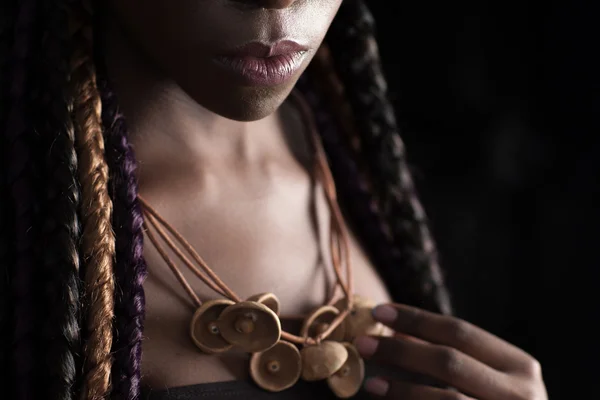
[(98, 242)]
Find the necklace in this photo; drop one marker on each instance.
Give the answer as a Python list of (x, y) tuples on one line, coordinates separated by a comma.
[(253, 325)]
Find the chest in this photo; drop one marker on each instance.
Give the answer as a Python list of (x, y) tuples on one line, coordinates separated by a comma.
[(256, 239)]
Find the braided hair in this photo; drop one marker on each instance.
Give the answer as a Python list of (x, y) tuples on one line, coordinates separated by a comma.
[(6, 37), (416, 278), (98, 241), (60, 332), (18, 146), (130, 270), (92, 264)]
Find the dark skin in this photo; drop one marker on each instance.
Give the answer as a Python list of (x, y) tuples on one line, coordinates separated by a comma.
[(227, 165), (181, 38), (475, 362)]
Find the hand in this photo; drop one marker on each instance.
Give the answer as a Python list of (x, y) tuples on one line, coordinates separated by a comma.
[(476, 363)]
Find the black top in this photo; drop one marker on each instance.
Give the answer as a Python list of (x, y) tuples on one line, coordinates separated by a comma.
[(302, 390), (244, 390)]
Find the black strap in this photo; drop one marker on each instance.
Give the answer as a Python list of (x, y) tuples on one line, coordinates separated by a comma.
[(241, 389)]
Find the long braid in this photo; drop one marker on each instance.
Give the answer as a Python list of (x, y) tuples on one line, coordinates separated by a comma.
[(342, 144), (130, 269), (18, 145), (355, 196), (6, 38), (61, 231), (418, 279), (98, 241)]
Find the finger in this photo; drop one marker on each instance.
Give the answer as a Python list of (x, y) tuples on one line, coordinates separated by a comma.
[(397, 390), (440, 362), (404, 336), (456, 333)]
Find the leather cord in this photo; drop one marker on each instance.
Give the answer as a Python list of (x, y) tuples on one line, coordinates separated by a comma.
[(338, 240)]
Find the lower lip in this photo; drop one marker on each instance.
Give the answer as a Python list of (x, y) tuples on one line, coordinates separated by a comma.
[(271, 71)]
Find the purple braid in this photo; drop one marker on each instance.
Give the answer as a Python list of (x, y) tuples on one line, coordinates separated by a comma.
[(130, 268), (21, 190)]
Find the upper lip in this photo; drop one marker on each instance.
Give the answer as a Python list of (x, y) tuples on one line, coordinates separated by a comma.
[(263, 50)]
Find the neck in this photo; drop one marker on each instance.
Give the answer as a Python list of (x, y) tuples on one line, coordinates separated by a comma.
[(172, 132)]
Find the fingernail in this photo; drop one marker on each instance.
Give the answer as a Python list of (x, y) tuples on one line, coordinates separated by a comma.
[(377, 386), (385, 313), (366, 346)]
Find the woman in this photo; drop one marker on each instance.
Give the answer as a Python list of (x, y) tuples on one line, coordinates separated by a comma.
[(222, 155)]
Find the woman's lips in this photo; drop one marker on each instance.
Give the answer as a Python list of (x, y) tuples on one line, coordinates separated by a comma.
[(258, 64)]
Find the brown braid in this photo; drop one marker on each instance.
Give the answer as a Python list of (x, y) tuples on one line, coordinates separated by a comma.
[(98, 243)]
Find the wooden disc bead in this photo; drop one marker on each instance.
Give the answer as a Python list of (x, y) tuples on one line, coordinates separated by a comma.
[(323, 360), (277, 368), (360, 321), (346, 382), (244, 325), (204, 328), (268, 299), (319, 321), (251, 326)]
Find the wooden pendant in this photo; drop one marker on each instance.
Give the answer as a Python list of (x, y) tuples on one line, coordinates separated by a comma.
[(251, 326), (278, 368), (268, 299), (323, 360), (346, 382), (204, 329), (360, 321), (319, 321)]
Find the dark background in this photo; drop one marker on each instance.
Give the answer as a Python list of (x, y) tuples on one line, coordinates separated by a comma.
[(499, 104)]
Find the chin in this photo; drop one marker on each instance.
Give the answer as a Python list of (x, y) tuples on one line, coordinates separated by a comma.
[(244, 104)]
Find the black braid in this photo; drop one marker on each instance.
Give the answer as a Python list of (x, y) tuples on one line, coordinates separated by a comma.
[(60, 330), (356, 199), (355, 194), (23, 183), (7, 12), (417, 279)]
